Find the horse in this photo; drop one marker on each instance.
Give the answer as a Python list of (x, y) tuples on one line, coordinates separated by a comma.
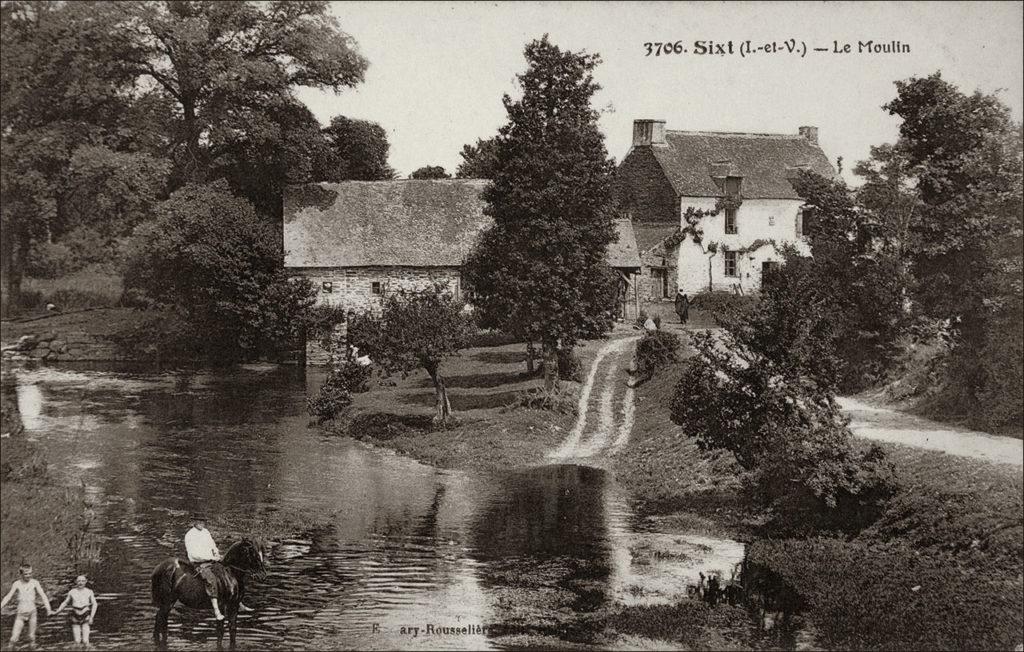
[(174, 580)]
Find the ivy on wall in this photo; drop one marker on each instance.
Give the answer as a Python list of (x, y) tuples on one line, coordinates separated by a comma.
[(692, 218)]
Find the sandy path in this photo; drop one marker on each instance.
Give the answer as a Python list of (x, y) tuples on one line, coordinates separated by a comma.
[(598, 419), (900, 428)]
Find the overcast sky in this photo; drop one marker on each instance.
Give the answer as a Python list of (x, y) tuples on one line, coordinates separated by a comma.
[(438, 70)]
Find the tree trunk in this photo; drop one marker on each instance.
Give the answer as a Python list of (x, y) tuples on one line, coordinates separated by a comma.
[(442, 407), (550, 366), (530, 353), (192, 164), (15, 253)]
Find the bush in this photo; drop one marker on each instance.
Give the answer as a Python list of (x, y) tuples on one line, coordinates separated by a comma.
[(487, 338), (656, 349), (336, 393), (209, 258), (569, 366), (319, 322), (722, 303)]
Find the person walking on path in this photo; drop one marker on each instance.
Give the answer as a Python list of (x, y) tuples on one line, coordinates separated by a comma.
[(27, 589), (682, 307), (83, 610)]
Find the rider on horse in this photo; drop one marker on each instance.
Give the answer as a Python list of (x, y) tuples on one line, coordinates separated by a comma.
[(203, 552)]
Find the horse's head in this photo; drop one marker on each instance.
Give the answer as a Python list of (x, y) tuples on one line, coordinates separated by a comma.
[(247, 556)]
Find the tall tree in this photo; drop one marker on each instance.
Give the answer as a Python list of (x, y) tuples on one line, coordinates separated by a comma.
[(964, 153), (70, 150), (360, 150), (430, 172), (478, 161), (226, 67), (540, 271)]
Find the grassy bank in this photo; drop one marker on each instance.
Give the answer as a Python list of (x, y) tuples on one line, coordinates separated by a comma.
[(943, 566), (489, 433), (88, 288)]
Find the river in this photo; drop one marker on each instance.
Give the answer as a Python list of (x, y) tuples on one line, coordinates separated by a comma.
[(379, 546)]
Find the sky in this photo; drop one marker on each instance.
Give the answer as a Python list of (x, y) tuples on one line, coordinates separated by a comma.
[(438, 70)]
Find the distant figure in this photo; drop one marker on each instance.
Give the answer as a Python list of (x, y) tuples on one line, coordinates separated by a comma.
[(83, 610), (713, 589), (682, 307), (361, 360), (28, 589)]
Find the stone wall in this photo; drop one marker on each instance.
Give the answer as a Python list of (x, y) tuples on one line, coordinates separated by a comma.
[(352, 288), (61, 346)]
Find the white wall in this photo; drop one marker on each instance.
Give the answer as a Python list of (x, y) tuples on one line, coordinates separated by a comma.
[(756, 219)]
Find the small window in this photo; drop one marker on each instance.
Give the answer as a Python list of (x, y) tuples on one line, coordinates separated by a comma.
[(731, 261), (730, 221), (375, 287), (327, 287), (771, 220)]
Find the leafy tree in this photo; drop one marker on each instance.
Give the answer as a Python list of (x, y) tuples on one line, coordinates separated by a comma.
[(478, 161), (430, 172), (360, 150), (855, 276), (226, 67), (757, 391), (210, 260), (416, 330), (69, 151), (540, 271), (964, 156)]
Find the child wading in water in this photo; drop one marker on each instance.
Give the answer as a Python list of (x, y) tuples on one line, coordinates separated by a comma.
[(83, 610), (28, 590)]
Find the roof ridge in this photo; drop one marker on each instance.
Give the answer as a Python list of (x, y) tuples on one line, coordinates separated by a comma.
[(748, 134)]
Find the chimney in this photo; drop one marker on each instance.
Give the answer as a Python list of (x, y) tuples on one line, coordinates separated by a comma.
[(810, 133), (648, 132)]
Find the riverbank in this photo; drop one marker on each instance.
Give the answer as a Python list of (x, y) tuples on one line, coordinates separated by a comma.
[(943, 567)]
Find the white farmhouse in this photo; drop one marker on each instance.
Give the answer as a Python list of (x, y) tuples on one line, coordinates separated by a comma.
[(746, 175)]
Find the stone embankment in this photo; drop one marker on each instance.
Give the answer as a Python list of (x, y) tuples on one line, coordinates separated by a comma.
[(67, 346)]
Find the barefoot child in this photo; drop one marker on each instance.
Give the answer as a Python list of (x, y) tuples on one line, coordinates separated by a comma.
[(28, 590), (83, 610)]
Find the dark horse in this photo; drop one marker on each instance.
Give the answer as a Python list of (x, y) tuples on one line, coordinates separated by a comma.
[(175, 580)]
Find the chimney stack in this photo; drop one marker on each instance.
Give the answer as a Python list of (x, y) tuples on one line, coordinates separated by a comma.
[(810, 133), (648, 132)]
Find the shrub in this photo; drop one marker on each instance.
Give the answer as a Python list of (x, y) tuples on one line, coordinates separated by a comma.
[(656, 349), (209, 258), (320, 320), (722, 303), (569, 365), (336, 393), (488, 338)]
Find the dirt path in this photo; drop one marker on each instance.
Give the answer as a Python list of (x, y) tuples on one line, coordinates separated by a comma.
[(605, 409), (900, 428)]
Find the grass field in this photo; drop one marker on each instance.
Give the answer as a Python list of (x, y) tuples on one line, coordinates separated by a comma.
[(483, 383), (84, 289)]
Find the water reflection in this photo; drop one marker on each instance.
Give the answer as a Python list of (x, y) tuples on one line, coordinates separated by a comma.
[(366, 546)]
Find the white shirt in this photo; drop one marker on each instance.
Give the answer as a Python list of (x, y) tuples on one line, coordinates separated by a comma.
[(200, 546)]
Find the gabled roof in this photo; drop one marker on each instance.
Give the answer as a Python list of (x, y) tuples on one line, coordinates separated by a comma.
[(398, 224), (761, 159), (405, 223), (624, 253)]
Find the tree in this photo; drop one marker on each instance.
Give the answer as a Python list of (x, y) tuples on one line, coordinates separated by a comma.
[(430, 172), (540, 271), (964, 156), (360, 150), (209, 259), (70, 152), (226, 67), (417, 330), (478, 161)]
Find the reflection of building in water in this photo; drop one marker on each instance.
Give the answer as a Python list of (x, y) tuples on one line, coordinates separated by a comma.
[(30, 405)]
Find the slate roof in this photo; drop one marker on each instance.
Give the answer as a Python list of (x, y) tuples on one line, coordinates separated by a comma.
[(624, 253), (761, 159), (649, 235), (406, 223)]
